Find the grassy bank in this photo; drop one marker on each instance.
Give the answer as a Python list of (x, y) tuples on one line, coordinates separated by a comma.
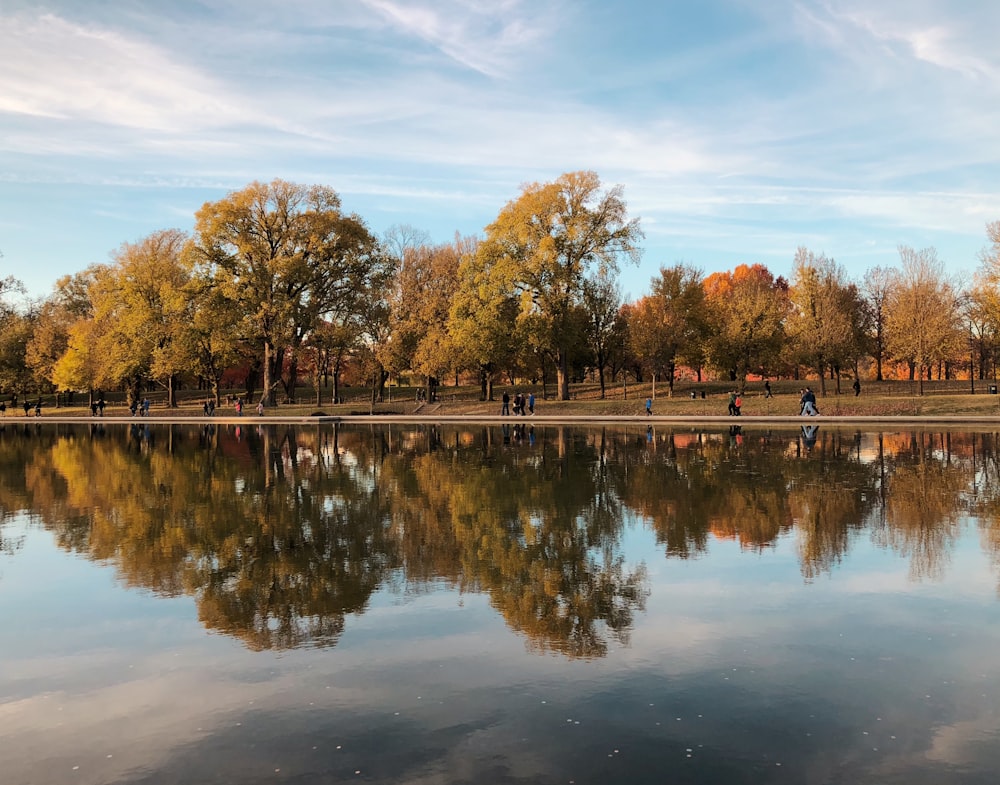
[(883, 399)]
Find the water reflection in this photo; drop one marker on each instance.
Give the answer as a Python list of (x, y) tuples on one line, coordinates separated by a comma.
[(280, 532)]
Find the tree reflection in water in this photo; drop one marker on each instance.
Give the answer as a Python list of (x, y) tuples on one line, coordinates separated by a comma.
[(280, 532)]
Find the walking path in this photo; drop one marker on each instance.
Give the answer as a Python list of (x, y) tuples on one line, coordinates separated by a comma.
[(435, 417)]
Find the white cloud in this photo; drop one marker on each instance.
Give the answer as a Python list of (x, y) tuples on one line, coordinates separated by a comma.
[(483, 36), (54, 68)]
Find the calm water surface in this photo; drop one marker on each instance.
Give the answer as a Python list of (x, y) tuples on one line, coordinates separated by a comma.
[(483, 605)]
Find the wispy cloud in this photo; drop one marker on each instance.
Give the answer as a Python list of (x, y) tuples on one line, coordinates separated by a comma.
[(931, 33), (483, 36), (54, 68)]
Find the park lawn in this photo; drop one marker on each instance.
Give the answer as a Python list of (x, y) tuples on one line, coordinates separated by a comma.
[(892, 398)]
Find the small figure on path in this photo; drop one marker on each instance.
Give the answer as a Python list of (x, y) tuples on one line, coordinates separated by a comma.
[(857, 387), (38, 408), (101, 405), (649, 407), (732, 403), (505, 407), (260, 408), (27, 408), (767, 389), (808, 402), (531, 403), (737, 404)]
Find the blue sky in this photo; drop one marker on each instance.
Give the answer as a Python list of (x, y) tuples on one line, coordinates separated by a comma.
[(739, 129)]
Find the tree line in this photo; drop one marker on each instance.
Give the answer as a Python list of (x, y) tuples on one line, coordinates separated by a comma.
[(278, 284)]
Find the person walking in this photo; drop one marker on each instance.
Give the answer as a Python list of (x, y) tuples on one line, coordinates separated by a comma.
[(808, 402), (732, 403), (649, 407), (767, 389), (531, 404), (737, 404), (857, 387), (505, 407)]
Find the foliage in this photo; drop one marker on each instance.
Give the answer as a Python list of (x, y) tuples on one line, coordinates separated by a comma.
[(924, 323), (541, 247), (746, 316), (285, 256), (668, 325)]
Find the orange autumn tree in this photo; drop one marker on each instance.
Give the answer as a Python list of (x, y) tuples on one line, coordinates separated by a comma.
[(746, 310)]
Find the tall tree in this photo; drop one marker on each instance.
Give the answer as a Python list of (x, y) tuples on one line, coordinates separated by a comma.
[(876, 287), (924, 323), (602, 302), (746, 309), (142, 304), (482, 323), (286, 256), (68, 304), (427, 282), (542, 246), (668, 325), (823, 318)]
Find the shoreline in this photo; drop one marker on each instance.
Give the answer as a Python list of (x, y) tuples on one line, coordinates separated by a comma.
[(483, 419)]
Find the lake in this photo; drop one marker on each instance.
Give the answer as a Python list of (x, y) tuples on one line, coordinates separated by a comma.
[(419, 604)]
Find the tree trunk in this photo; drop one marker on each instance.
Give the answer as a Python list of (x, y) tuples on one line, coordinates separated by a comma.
[(562, 374), (293, 376), (336, 379), (671, 369), (600, 376), (268, 394)]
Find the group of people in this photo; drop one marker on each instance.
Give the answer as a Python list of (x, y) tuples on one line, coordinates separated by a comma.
[(735, 403), (521, 401), (26, 405)]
